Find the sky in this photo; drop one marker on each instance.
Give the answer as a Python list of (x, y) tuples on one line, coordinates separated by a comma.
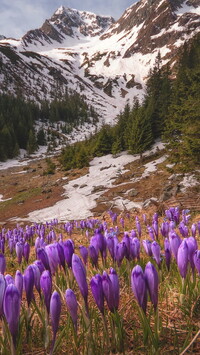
[(19, 16)]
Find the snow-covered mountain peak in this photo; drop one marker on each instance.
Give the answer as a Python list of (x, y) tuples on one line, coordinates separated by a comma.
[(64, 24), (107, 61)]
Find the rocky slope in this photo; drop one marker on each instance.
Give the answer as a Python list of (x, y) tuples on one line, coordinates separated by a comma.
[(76, 49)]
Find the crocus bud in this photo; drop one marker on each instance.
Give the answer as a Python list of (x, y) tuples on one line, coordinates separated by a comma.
[(194, 229), (164, 229), (42, 255), (100, 242), (139, 287), (93, 255), (121, 251), (108, 291), (61, 254), (155, 247), (68, 252), (175, 242), (167, 253), (19, 282), (40, 265), (151, 275), (151, 233), (115, 286), (126, 240), (80, 276), (192, 247), (11, 308), (55, 310), (52, 253), (19, 251), (2, 264), (84, 253), (72, 306), (147, 247), (29, 284), (110, 245), (97, 291), (37, 275), (26, 251), (46, 287), (2, 291), (9, 279), (182, 258), (196, 258)]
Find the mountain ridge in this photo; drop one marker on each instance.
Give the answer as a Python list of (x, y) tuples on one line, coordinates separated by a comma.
[(76, 50)]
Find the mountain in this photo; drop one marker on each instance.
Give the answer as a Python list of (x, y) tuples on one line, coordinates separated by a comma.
[(107, 61), (67, 23)]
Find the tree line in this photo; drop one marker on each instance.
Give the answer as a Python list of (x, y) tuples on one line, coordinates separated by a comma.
[(18, 118), (170, 110)]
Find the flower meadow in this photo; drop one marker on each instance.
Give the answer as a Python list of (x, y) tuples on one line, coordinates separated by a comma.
[(125, 284)]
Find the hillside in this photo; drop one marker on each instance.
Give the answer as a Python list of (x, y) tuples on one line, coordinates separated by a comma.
[(108, 61)]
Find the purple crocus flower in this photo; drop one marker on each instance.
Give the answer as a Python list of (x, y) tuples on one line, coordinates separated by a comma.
[(115, 286), (183, 229), (175, 242), (11, 308), (19, 251), (139, 287), (46, 287), (151, 233), (93, 255), (19, 282), (84, 253), (111, 246), (9, 279), (2, 263), (126, 240), (42, 255), (68, 251), (80, 276), (29, 283), (192, 247), (147, 247), (37, 275), (55, 310), (182, 258), (155, 248), (61, 254), (155, 228), (135, 248), (151, 276), (196, 258), (167, 253), (121, 252), (2, 291), (108, 291), (26, 251), (194, 229), (164, 229), (72, 306), (52, 253), (97, 291), (40, 265)]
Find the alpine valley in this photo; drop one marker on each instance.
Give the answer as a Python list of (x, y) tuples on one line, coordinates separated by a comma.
[(107, 61)]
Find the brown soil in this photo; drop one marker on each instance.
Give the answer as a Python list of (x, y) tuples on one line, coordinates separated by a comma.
[(35, 189)]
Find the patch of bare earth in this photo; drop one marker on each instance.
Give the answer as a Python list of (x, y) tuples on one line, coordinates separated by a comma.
[(29, 188)]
